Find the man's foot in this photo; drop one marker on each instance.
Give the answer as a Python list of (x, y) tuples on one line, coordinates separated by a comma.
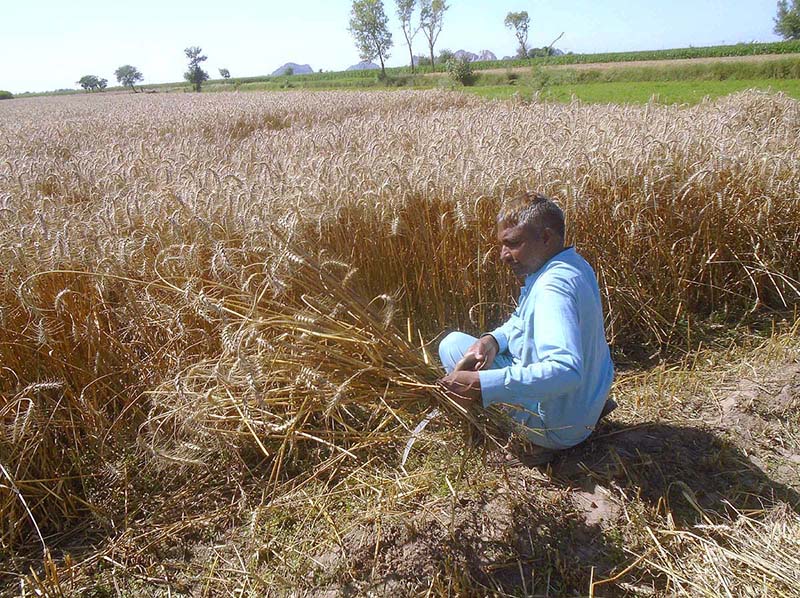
[(610, 405), (521, 452), (534, 456)]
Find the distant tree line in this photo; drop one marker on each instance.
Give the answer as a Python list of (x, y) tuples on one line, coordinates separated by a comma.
[(369, 27), (128, 75)]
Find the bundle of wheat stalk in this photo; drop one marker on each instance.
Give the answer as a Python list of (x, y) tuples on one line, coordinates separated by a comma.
[(309, 373), (296, 373)]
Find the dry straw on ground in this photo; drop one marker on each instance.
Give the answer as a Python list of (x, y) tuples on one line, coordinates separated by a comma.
[(202, 289)]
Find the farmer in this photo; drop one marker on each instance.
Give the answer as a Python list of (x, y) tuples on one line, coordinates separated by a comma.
[(549, 363)]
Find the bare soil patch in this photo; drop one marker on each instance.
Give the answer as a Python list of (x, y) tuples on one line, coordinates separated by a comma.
[(740, 455), (517, 530)]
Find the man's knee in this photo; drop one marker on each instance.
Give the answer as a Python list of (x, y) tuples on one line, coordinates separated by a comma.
[(447, 345), (452, 348)]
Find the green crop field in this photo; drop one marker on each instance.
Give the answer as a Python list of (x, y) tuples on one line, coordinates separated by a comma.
[(683, 83), (640, 92), (402, 76), (679, 83), (754, 49)]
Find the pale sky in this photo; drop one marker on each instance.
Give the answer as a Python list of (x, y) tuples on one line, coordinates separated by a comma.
[(50, 44)]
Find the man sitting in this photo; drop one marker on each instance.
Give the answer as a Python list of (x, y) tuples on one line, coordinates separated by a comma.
[(549, 363)]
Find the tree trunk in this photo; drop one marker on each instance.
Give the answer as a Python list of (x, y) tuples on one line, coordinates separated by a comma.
[(410, 50), (433, 64), (550, 47), (383, 70)]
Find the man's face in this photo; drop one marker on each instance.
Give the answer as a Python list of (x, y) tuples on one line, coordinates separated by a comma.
[(523, 249)]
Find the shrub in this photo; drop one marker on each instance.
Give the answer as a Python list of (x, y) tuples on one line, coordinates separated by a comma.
[(404, 80), (461, 71), (543, 78), (6, 95), (422, 61), (543, 52)]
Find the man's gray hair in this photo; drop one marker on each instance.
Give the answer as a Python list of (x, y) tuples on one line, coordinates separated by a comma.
[(534, 210)]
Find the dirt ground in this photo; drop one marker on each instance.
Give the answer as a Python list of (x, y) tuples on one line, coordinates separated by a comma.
[(505, 529), (549, 529)]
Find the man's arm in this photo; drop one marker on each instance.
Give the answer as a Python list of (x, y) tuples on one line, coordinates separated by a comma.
[(557, 339), (500, 335), (479, 355), (463, 382), (463, 386)]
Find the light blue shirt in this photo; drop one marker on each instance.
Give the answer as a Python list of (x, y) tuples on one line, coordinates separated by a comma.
[(561, 370)]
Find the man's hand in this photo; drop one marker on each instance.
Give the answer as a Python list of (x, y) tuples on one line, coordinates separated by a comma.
[(479, 356), (463, 387)]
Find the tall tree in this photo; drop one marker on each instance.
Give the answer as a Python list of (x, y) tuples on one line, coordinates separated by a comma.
[(369, 26), (128, 76), (431, 15), (225, 74), (405, 10), (519, 21), (195, 75), (787, 21)]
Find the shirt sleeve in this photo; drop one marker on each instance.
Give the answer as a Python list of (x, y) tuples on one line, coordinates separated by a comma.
[(500, 334), (554, 328)]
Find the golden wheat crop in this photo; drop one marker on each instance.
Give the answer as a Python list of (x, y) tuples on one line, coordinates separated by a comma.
[(198, 287)]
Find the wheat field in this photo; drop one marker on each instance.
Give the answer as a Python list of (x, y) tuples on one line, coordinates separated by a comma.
[(199, 291)]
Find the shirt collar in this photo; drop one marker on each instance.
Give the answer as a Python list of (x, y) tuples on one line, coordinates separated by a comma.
[(531, 278)]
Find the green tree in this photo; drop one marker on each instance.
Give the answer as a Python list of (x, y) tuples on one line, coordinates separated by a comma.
[(405, 10), (787, 21), (369, 26), (128, 76), (431, 17), (89, 82), (519, 22), (225, 74), (195, 75), (422, 60), (445, 56), (102, 83), (461, 70)]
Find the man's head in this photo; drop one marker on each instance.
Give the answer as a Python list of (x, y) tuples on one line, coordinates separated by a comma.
[(530, 230)]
